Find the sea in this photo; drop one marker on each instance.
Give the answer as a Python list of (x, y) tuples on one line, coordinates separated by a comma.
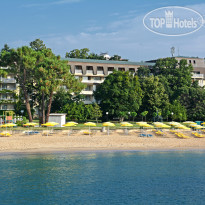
[(103, 177)]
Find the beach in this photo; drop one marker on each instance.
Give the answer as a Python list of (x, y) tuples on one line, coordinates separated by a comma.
[(100, 141)]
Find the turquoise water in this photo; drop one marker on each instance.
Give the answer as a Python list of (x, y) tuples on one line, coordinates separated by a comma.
[(103, 178)]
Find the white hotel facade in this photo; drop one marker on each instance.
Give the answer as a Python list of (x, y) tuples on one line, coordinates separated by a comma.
[(93, 72)]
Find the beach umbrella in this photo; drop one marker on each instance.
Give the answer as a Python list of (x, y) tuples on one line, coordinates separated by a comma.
[(126, 124), (108, 125), (144, 125), (8, 125), (49, 124), (30, 124), (161, 125), (90, 124), (70, 124), (189, 122), (182, 127)]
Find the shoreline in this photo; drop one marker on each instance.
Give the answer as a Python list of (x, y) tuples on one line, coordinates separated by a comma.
[(90, 150)]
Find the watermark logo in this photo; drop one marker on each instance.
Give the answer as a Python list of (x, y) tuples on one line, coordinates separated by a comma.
[(173, 21)]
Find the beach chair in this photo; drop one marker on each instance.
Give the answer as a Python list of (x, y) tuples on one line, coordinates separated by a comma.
[(5, 134), (86, 132), (46, 133), (119, 131), (67, 132)]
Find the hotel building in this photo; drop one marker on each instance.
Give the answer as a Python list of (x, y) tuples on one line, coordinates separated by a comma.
[(8, 89), (198, 68), (93, 72)]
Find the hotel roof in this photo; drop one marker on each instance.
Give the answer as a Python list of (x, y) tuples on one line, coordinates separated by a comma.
[(108, 62)]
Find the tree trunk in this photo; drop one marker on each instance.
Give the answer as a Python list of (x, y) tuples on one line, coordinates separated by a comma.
[(43, 108), (28, 108), (49, 106)]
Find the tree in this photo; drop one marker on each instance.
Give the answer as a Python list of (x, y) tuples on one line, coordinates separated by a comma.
[(50, 74), (39, 73), (179, 111), (96, 112), (133, 114), (22, 62), (115, 58), (120, 92), (193, 99), (144, 114), (155, 98), (143, 72), (37, 45), (78, 53), (176, 75)]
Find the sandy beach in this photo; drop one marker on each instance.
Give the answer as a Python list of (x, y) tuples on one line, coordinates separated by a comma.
[(58, 141)]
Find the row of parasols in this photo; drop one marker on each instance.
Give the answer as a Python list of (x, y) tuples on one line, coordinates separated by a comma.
[(185, 126)]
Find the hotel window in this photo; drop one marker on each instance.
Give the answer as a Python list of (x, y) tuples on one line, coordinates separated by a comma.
[(88, 97), (4, 86), (4, 96), (194, 61), (121, 69), (132, 70), (100, 70), (89, 88), (189, 61), (97, 78), (78, 69), (4, 107), (89, 69)]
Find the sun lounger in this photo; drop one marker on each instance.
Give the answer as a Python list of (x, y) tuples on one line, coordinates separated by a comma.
[(5, 134), (46, 133), (86, 132), (145, 135), (31, 132)]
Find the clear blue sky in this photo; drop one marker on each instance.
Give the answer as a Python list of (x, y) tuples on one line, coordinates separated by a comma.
[(113, 26)]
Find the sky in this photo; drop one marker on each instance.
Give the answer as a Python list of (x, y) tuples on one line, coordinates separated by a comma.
[(113, 26)]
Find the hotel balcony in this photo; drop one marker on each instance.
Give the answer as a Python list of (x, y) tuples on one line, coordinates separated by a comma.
[(109, 72), (201, 84), (92, 81), (78, 71), (7, 99), (7, 80), (195, 75), (87, 92), (89, 72), (8, 88)]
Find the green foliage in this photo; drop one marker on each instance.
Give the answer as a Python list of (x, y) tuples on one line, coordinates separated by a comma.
[(96, 112), (80, 112), (40, 73), (144, 114), (78, 53), (133, 114), (143, 72), (20, 123), (155, 98), (193, 99), (179, 111), (122, 115), (120, 92), (116, 58), (175, 76), (37, 45)]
